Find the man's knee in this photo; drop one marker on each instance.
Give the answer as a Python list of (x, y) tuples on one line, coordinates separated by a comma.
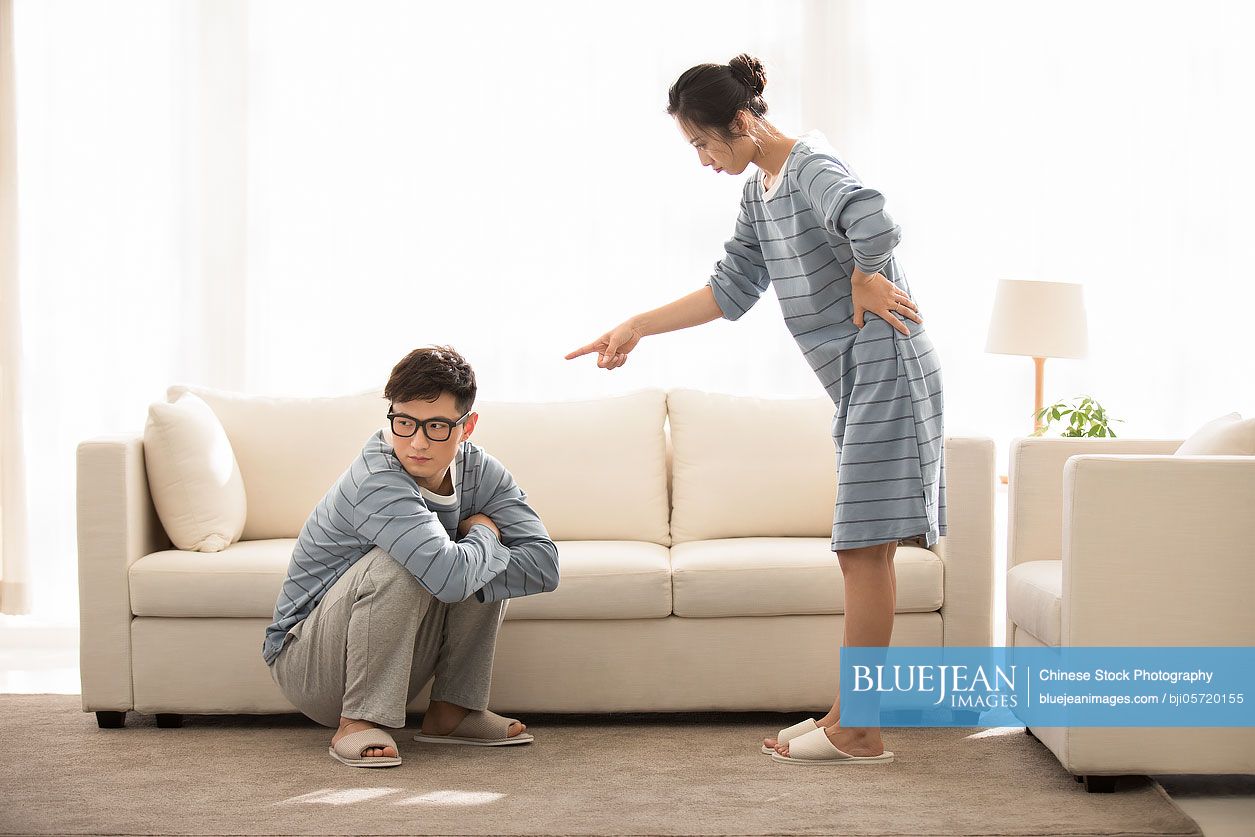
[(385, 571)]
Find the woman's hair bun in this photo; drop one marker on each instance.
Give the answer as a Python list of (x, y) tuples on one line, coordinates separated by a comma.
[(749, 71)]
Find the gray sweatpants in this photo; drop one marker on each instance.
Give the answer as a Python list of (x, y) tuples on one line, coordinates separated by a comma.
[(375, 638)]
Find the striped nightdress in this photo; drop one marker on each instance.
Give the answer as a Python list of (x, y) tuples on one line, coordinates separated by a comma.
[(804, 236)]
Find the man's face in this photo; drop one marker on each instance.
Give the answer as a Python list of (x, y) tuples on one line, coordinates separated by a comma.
[(422, 458)]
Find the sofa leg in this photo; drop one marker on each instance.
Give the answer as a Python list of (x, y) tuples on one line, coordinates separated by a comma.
[(1100, 784), (169, 720), (110, 720)]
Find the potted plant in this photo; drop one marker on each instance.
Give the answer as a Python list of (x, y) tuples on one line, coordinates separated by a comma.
[(1086, 418)]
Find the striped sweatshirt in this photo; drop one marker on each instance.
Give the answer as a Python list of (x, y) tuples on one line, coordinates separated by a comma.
[(819, 223), (376, 503), (804, 237)]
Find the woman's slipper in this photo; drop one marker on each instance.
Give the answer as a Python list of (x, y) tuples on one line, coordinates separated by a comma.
[(816, 748), (349, 748), (789, 733), (480, 728)]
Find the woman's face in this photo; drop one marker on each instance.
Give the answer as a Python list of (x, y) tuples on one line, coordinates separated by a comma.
[(731, 156)]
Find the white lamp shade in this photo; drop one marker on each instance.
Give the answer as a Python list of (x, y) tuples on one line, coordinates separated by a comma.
[(1038, 319)]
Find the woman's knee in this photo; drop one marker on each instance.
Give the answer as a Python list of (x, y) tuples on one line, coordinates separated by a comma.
[(864, 557)]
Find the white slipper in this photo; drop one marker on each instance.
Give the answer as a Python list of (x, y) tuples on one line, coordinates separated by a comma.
[(480, 728), (789, 733), (349, 749), (816, 748)]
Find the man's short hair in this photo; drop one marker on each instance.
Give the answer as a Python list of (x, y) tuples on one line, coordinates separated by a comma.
[(424, 374)]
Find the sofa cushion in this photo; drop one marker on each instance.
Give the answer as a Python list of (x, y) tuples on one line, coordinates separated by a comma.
[(604, 580), (592, 470), (193, 475), (784, 576), (600, 580), (1229, 435), (291, 450), (1035, 599), (751, 467), (242, 580)]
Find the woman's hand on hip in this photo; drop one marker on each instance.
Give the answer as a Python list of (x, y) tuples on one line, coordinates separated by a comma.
[(874, 293), (612, 347)]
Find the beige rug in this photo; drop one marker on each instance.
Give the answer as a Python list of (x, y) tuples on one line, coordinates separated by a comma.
[(616, 774)]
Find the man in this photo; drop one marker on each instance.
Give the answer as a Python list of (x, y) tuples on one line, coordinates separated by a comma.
[(403, 570)]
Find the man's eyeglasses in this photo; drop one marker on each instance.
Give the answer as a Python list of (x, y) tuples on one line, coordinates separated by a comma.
[(435, 429)]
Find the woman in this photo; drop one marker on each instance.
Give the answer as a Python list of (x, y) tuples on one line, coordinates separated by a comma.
[(810, 228)]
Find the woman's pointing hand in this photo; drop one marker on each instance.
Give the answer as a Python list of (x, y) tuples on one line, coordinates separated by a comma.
[(612, 347)]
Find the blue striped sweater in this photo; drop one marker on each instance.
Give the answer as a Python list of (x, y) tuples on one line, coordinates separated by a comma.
[(376, 503)]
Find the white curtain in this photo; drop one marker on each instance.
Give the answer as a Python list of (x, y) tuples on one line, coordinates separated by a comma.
[(285, 197), (14, 587)]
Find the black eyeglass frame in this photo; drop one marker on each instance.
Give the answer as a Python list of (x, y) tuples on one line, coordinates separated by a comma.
[(422, 423)]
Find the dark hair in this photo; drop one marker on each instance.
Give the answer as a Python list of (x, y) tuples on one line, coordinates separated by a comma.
[(709, 96), (425, 374)]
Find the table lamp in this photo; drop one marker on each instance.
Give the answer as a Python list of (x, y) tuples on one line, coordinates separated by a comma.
[(1040, 320)]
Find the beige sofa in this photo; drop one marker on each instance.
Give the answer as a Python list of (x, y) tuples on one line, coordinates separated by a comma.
[(1115, 542), (694, 541)]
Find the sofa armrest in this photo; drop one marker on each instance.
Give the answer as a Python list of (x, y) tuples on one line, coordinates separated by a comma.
[(1158, 550), (967, 550), (117, 525), (1035, 489)]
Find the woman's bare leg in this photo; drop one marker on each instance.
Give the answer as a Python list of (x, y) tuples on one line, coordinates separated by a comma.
[(833, 717), (870, 597)]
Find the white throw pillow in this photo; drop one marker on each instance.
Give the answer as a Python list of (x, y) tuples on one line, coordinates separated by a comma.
[(1228, 435), (193, 476)]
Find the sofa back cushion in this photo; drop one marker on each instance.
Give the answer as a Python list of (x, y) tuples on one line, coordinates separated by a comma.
[(592, 470), (747, 467), (290, 450)]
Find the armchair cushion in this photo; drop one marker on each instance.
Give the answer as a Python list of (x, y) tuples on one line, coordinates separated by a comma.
[(1035, 599)]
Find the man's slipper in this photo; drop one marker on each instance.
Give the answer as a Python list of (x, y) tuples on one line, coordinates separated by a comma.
[(816, 748), (349, 749), (789, 733), (480, 728)]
